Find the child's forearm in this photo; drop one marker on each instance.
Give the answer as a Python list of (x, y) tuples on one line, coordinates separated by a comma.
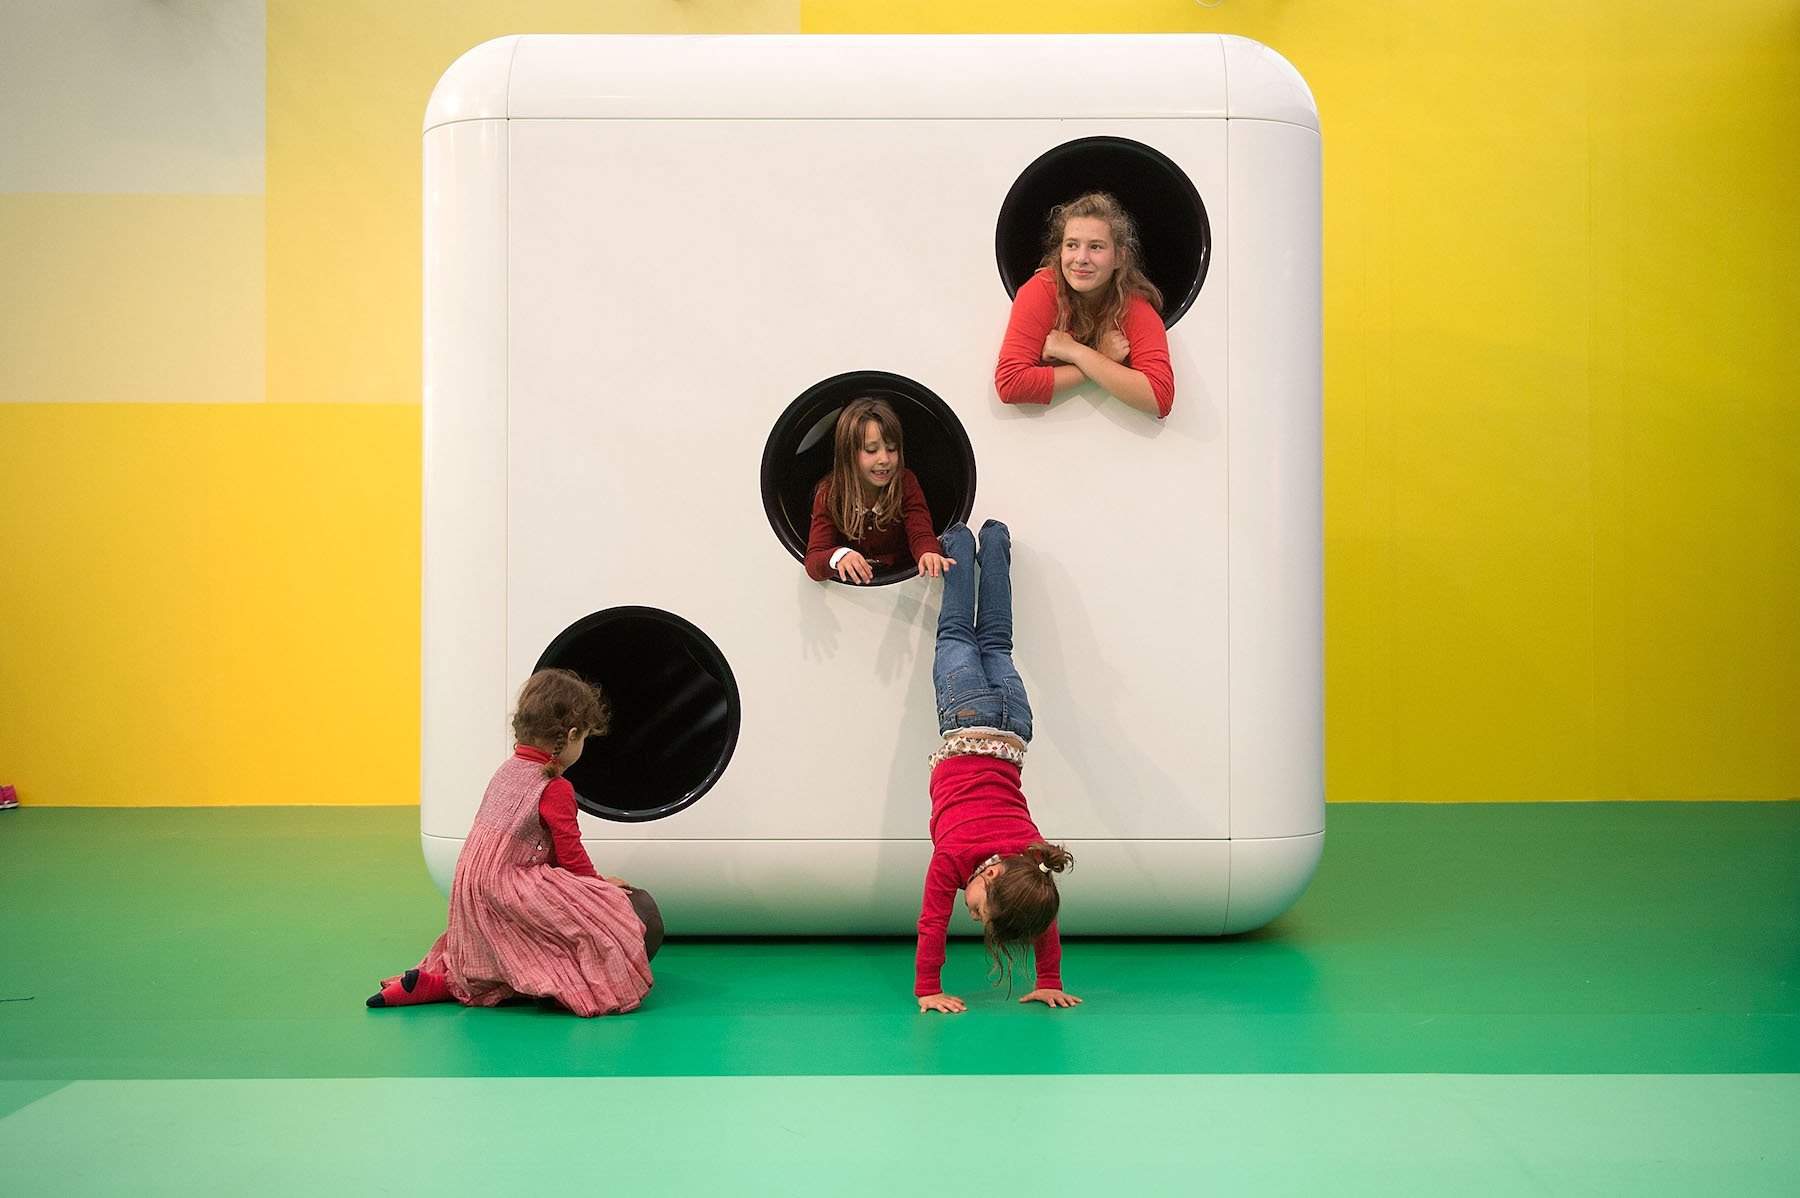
[(928, 956), (1068, 377), (1129, 385), (1046, 954), (928, 968)]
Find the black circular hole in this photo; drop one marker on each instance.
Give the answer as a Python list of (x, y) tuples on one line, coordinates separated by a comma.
[(1171, 218), (798, 455), (675, 712)]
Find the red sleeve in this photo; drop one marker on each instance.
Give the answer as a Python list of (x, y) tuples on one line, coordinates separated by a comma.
[(917, 514), (823, 538), (1150, 352), (557, 809), (1020, 376), (1046, 950), (934, 921)]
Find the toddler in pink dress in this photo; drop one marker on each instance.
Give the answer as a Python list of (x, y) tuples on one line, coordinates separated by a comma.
[(529, 914)]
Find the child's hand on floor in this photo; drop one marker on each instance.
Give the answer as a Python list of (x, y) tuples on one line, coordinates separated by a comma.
[(947, 1003), (1051, 998)]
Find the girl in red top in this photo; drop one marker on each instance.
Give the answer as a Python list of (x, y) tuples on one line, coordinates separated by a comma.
[(1088, 314), (869, 511), (529, 915), (983, 841)]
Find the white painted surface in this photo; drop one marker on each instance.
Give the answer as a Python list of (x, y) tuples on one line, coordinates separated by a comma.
[(463, 681), (1277, 498), (1264, 86), (670, 285), (476, 86)]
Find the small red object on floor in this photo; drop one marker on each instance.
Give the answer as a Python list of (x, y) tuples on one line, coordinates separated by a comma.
[(9, 798)]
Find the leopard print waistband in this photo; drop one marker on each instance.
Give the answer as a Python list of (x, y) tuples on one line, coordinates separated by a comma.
[(966, 742)]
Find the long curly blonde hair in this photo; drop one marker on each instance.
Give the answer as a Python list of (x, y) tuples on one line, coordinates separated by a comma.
[(1086, 320)]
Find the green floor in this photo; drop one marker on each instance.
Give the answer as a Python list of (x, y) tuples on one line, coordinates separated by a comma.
[(1517, 999)]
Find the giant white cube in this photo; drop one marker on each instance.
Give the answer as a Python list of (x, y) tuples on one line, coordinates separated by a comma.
[(640, 251)]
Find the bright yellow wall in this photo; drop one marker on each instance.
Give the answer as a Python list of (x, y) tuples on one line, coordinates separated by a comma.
[(1563, 543), (1562, 449), (206, 598), (210, 603)]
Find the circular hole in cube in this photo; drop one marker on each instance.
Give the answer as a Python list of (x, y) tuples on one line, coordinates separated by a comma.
[(797, 456), (1171, 218), (675, 712)]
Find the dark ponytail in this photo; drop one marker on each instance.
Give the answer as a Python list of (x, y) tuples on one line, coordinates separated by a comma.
[(1022, 901)]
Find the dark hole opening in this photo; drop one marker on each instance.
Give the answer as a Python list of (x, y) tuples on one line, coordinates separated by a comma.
[(799, 450), (675, 711), (1173, 230)]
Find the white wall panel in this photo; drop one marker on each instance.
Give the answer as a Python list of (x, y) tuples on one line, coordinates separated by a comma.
[(674, 278)]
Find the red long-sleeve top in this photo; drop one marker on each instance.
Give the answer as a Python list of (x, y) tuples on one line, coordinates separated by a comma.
[(977, 811), (883, 547), (557, 809), (1022, 376)]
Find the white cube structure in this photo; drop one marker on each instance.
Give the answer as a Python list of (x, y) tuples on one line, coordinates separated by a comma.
[(640, 251)]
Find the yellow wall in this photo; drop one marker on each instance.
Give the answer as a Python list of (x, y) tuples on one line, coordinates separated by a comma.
[(209, 420), (1563, 541), (1562, 480), (210, 603)]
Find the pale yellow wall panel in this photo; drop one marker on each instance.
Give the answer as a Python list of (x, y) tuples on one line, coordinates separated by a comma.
[(347, 86), (106, 97), (211, 604), (131, 299), (1017, 16)]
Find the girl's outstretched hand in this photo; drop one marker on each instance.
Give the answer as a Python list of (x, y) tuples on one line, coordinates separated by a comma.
[(947, 1003), (854, 567), (1051, 998), (934, 564)]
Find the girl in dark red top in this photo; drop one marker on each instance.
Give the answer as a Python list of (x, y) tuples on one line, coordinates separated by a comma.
[(1088, 314), (983, 841), (530, 917), (869, 512)]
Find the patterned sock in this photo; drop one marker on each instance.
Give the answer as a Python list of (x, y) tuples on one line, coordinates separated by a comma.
[(412, 988)]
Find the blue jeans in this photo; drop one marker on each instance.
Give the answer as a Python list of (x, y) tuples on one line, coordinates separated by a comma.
[(973, 673)]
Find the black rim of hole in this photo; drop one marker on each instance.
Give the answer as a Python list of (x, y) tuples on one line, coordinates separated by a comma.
[(798, 454), (1171, 218), (675, 706)]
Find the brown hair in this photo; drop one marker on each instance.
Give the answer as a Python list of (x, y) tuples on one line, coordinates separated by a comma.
[(843, 496), (1022, 901), (1086, 322), (550, 703)]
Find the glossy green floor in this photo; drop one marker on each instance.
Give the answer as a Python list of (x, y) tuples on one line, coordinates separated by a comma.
[(1470, 999)]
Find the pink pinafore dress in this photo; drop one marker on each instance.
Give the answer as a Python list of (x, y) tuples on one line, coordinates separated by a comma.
[(520, 926)]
